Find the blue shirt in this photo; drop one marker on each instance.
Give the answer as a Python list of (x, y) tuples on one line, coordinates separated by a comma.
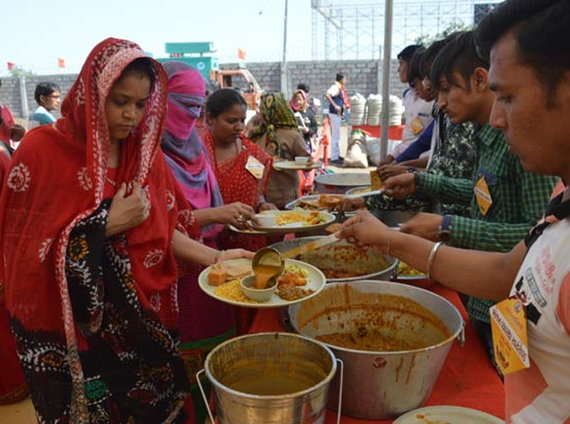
[(42, 116), (419, 146)]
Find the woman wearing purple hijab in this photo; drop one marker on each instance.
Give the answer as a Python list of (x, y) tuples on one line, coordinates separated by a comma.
[(203, 322)]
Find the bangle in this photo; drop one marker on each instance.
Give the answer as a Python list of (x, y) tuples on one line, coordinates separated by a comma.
[(431, 257)]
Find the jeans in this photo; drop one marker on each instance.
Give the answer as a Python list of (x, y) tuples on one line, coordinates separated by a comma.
[(335, 135)]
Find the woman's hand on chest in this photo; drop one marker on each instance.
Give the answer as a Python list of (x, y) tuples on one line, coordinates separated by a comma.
[(127, 211)]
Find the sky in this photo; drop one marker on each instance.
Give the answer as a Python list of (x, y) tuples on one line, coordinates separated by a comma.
[(39, 32)]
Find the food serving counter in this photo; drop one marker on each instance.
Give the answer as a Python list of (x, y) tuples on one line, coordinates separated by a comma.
[(467, 378)]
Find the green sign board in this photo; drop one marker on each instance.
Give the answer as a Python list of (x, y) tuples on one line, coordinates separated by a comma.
[(204, 64), (190, 48)]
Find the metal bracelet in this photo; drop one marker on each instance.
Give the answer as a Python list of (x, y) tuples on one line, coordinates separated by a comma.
[(431, 257)]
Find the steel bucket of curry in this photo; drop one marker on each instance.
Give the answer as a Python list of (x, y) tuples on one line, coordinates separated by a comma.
[(270, 378), (393, 340)]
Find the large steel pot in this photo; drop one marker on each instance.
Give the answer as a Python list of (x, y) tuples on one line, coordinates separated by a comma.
[(382, 385), (276, 365), (340, 183), (376, 265)]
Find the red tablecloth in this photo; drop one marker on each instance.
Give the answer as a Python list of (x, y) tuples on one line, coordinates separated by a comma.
[(394, 132), (467, 378)]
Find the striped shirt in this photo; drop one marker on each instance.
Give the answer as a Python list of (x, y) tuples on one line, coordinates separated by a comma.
[(519, 198)]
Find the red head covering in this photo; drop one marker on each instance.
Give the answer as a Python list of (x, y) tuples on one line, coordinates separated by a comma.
[(57, 179), (84, 119), (6, 123)]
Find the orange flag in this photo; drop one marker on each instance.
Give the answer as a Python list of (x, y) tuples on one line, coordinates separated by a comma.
[(60, 62), (241, 54)]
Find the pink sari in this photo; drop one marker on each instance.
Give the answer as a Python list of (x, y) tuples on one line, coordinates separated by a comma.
[(203, 322)]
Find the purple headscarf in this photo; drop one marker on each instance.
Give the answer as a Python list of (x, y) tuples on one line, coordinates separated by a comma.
[(183, 148)]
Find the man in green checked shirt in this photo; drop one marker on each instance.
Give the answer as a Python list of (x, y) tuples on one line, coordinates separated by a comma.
[(506, 201)]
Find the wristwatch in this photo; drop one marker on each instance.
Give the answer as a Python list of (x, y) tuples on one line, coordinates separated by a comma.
[(445, 228)]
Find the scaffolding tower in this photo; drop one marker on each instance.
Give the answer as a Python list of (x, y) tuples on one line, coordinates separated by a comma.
[(353, 29)]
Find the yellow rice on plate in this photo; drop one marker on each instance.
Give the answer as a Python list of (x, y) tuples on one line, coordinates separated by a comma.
[(232, 291), (311, 218)]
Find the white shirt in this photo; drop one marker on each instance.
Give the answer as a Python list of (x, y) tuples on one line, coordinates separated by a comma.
[(334, 90), (418, 115), (541, 394)]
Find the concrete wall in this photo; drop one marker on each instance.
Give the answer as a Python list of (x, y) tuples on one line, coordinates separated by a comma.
[(362, 77), (10, 90)]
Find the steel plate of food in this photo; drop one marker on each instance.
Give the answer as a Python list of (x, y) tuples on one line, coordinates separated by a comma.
[(297, 220), (298, 282), (320, 202), (410, 275)]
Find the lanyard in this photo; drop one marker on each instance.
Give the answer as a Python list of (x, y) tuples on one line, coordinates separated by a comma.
[(560, 210)]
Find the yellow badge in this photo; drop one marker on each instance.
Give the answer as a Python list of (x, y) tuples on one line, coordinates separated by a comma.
[(255, 167), (417, 126), (375, 181), (510, 339), (483, 196)]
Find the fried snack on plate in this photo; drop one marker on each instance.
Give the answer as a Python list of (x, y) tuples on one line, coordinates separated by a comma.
[(292, 278), (217, 275), (293, 275), (329, 201), (291, 292), (220, 273)]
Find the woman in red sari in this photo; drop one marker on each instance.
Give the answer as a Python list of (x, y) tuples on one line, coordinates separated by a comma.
[(9, 130), (242, 168), (12, 385), (89, 240)]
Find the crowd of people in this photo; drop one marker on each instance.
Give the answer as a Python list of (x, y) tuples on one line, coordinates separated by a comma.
[(510, 80), (147, 174), (109, 213)]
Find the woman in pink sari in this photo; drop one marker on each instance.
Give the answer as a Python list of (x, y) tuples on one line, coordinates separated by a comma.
[(203, 321)]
